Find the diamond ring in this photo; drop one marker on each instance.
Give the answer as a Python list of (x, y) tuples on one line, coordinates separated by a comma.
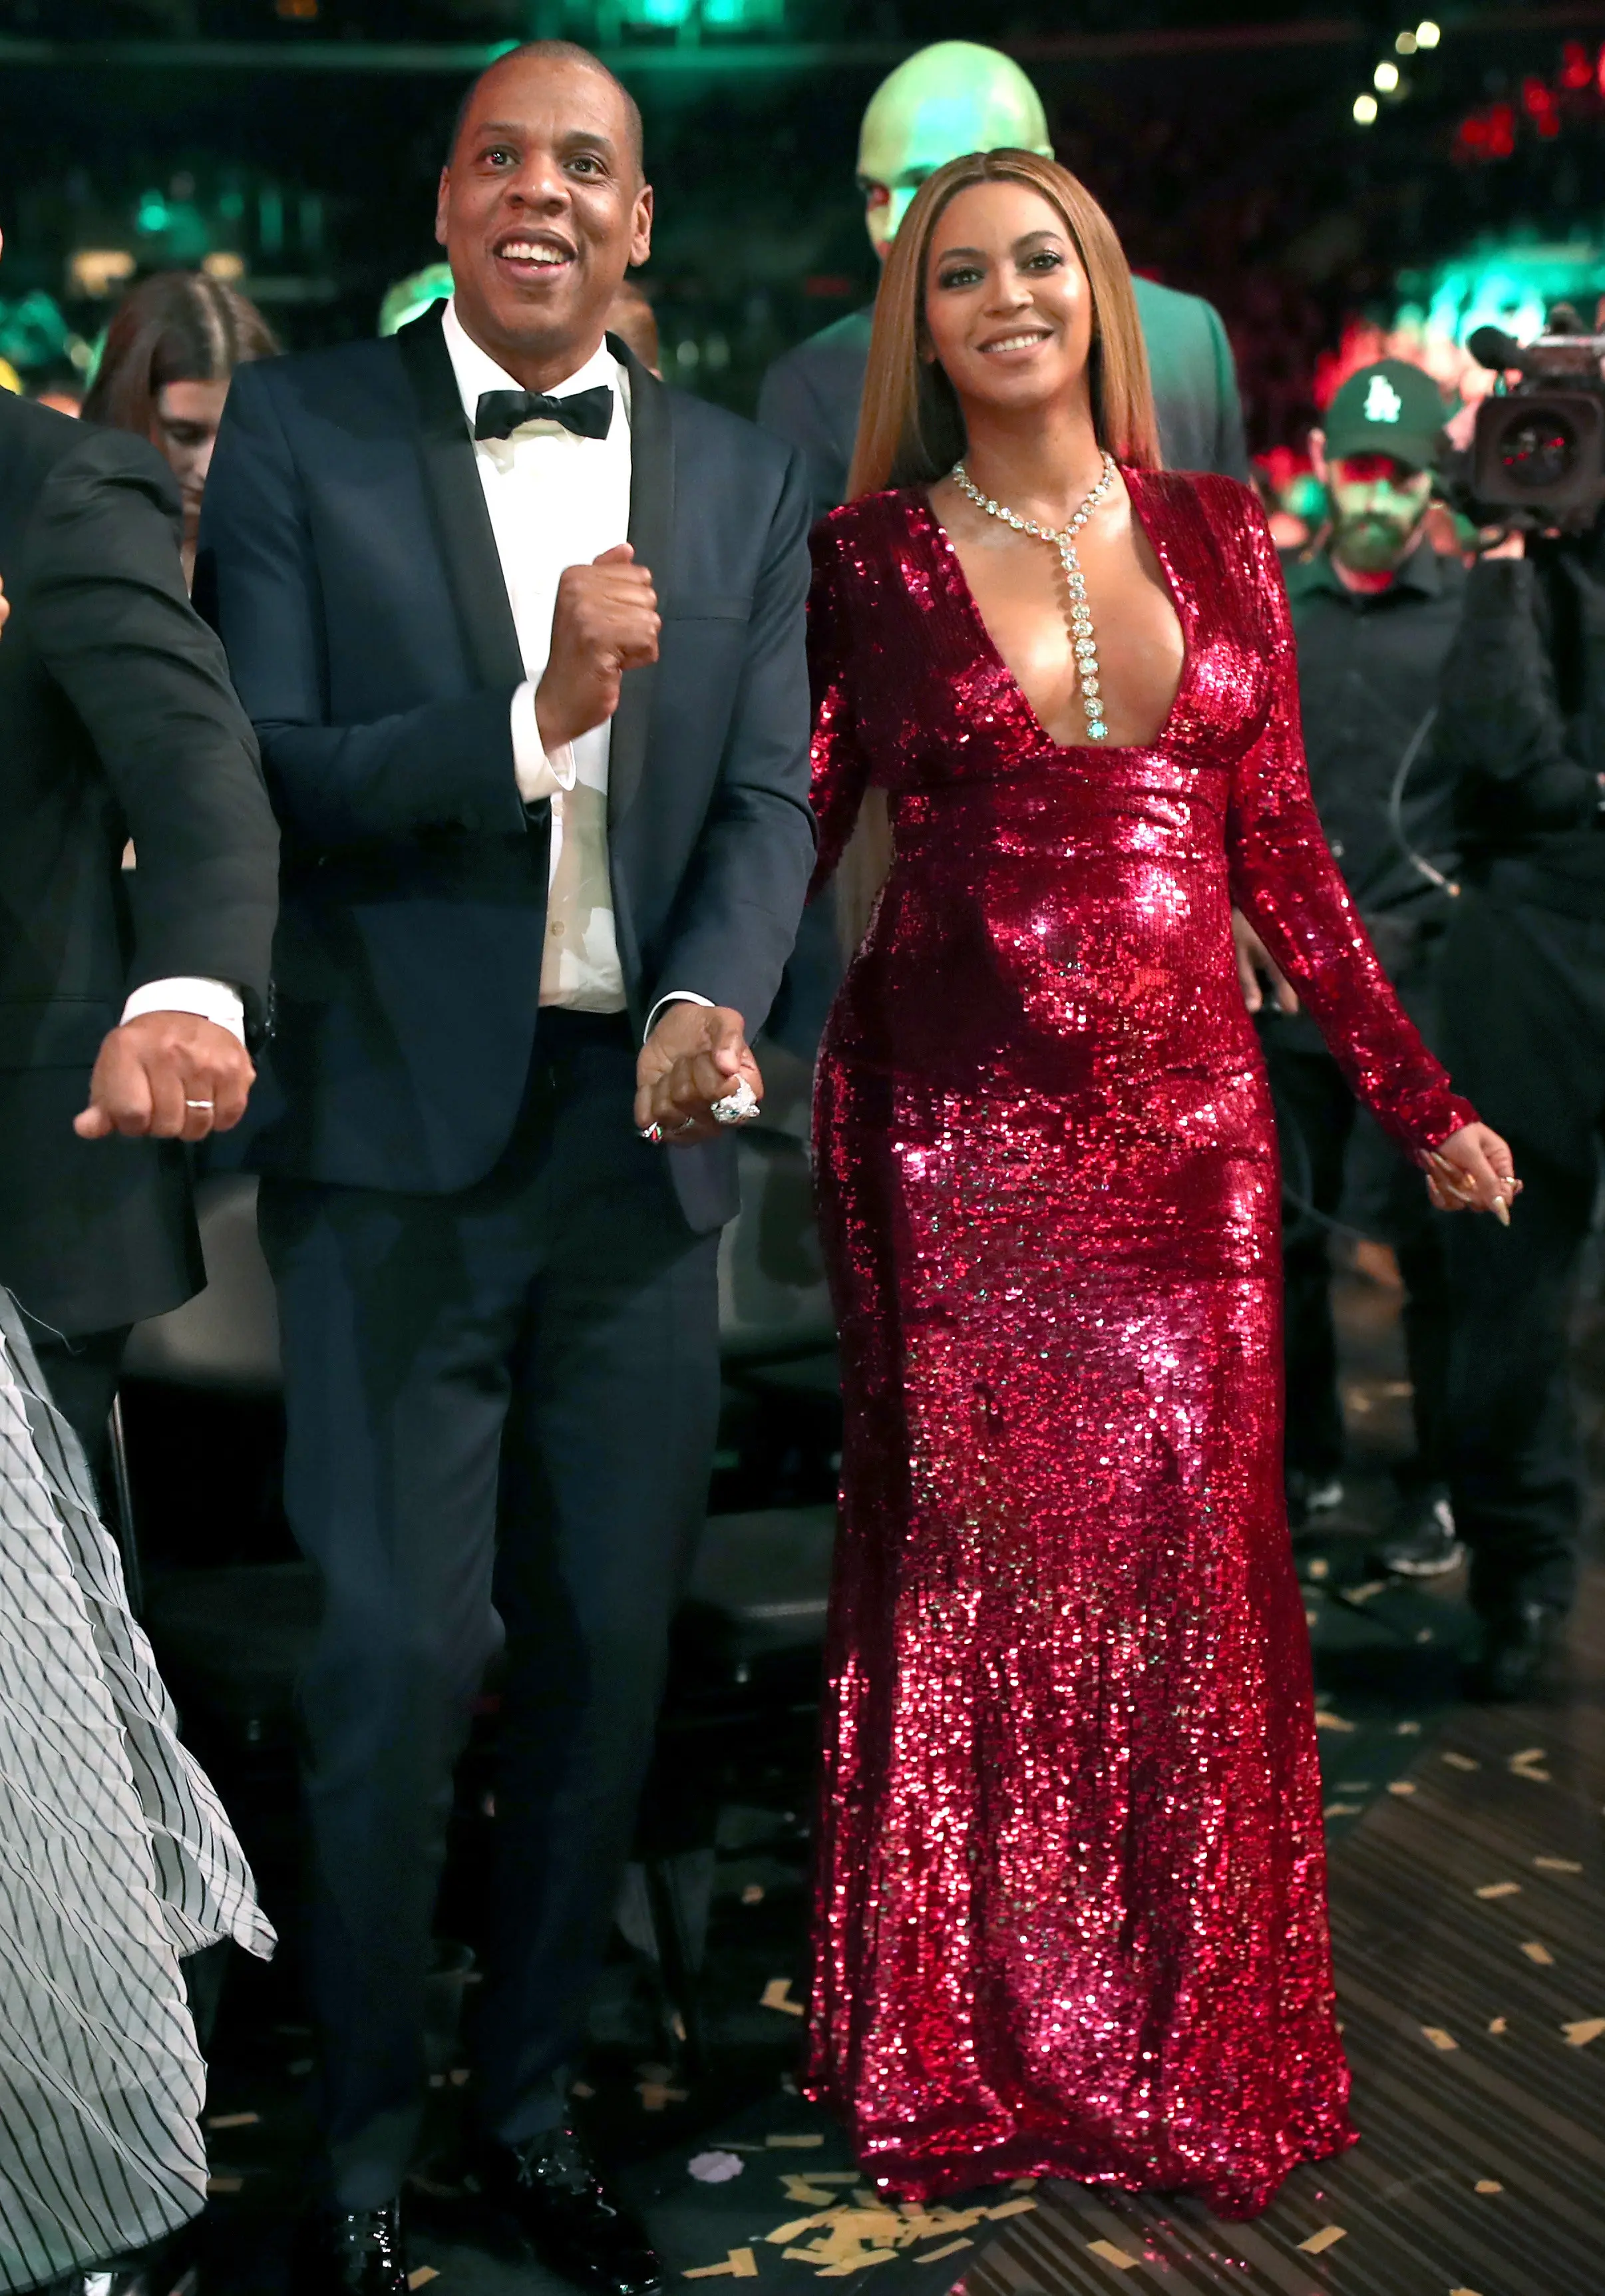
[(737, 1107)]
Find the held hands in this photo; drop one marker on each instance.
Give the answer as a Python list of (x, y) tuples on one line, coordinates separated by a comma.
[(605, 621), (1254, 963), (167, 1075), (695, 1055), (1473, 1171)]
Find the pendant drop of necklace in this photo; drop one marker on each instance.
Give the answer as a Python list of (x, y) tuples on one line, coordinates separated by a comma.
[(1063, 539)]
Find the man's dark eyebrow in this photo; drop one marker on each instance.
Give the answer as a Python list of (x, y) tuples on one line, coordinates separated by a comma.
[(573, 135)]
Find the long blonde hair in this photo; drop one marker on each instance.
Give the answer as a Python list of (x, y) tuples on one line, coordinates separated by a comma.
[(910, 429)]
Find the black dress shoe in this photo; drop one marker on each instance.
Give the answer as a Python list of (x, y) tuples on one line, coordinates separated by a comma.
[(1520, 1645), (547, 2194), (350, 2252), (1421, 1543)]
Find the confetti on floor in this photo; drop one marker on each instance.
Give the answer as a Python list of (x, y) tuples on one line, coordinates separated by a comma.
[(1500, 1889), (1402, 1786), (1460, 1761), (1325, 1719), (1582, 2030), (1439, 2038), (234, 2120), (777, 1995), (740, 2263), (1487, 2185), (793, 2144), (1497, 2024), (1320, 2242), (1342, 1809), (937, 2255), (422, 2276), (1557, 1865), (1540, 1954), (1110, 2254)]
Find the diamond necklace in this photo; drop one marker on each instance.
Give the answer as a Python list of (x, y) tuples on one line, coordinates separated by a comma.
[(1063, 539)]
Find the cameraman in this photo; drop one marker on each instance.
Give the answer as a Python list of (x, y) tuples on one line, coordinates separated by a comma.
[(1375, 611), (1522, 1001)]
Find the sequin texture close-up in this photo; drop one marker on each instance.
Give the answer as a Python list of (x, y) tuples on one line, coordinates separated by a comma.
[(1071, 1914)]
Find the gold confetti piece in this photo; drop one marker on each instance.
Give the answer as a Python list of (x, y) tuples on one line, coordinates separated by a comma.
[(1557, 1865), (801, 2144), (777, 1995), (1353, 1785), (753, 1894), (798, 2227), (460, 2077), (1487, 2185), (1407, 1729), (1528, 1754), (654, 2095), (225, 2183), (234, 2121), (1582, 2030), (1500, 1889), (422, 2276), (1439, 2038), (1318, 1566), (1342, 1809), (1025, 2184), (1309, 1617), (1325, 1719), (1423, 1634), (1011, 2208), (1462, 1762), (1402, 1786), (1464, 2291), (935, 2255), (806, 2195), (1497, 2024), (1320, 2242), (1110, 2254), (1541, 1954), (1530, 1770), (1363, 1594), (740, 2263)]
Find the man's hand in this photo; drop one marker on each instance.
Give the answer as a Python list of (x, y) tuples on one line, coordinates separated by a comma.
[(1254, 961), (167, 1075), (605, 622), (695, 1055)]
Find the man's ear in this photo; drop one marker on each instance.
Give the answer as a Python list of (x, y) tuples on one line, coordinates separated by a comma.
[(641, 244), (442, 198)]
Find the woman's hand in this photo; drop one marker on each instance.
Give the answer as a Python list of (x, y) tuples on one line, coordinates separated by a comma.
[(1473, 1170)]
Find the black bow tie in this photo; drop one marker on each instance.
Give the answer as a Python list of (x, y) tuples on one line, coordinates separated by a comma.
[(586, 413)]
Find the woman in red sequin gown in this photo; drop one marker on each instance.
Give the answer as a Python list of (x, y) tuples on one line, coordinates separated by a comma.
[(1071, 1914)]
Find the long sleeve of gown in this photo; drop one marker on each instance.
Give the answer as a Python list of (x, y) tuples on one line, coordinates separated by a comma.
[(840, 766), (1286, 883)]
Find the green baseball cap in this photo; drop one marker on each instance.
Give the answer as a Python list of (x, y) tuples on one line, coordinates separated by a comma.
[(1390, 408)]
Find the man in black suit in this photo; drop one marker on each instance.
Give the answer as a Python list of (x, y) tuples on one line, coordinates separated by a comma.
[(125, 997), (521, 634)]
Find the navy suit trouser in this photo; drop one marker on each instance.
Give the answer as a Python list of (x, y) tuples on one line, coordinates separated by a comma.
[(501, 1406)]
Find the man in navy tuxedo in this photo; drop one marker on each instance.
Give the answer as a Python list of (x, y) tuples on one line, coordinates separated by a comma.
[(522, 634)]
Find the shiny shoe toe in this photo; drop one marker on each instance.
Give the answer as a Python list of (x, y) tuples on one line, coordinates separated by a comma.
[(351, 2252), (547, 2193)]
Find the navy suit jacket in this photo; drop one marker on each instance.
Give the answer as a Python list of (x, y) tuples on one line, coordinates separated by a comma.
[(347, 557)]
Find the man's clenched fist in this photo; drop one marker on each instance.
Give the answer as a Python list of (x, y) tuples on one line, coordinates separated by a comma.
[(605, 622), (696, 1054), (167, 1075)]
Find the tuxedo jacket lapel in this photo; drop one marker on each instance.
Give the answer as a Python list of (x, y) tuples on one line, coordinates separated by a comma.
[(652, 527), (473, 571)]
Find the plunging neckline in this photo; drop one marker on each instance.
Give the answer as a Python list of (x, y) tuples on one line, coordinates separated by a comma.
[(965, 599)]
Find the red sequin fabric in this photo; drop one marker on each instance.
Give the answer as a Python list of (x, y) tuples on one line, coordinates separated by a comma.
[(1071, 1911)]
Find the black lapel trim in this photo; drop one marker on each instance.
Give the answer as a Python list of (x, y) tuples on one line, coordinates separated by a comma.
[(463, 529), (652, 527)]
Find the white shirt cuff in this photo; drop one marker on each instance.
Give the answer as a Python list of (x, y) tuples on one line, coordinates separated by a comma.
[(675, 996), (211, 1000), (538, 774)]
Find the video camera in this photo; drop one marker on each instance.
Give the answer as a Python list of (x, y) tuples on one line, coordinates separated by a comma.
[(1537, 459)]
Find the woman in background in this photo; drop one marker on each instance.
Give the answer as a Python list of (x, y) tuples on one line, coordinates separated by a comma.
[(1071, 1915), (170, 355)]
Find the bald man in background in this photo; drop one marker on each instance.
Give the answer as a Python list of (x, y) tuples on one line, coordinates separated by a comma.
[(948, 99)]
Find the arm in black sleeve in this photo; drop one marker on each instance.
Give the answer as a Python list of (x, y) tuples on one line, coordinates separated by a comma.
[(1499, 726), (1231, 453), (444, 764), (110, 619), (790, 406), (738, 912)]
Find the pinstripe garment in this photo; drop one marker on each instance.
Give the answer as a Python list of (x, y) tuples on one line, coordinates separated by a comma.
[(115, 1860)]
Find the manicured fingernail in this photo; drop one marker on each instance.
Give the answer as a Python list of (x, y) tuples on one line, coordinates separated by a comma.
[(1502, 1211)]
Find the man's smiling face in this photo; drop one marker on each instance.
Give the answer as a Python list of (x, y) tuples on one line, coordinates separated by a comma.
[(541, 210)]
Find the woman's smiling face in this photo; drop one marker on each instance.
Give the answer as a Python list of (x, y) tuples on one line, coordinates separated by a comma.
[(1007, 309)]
